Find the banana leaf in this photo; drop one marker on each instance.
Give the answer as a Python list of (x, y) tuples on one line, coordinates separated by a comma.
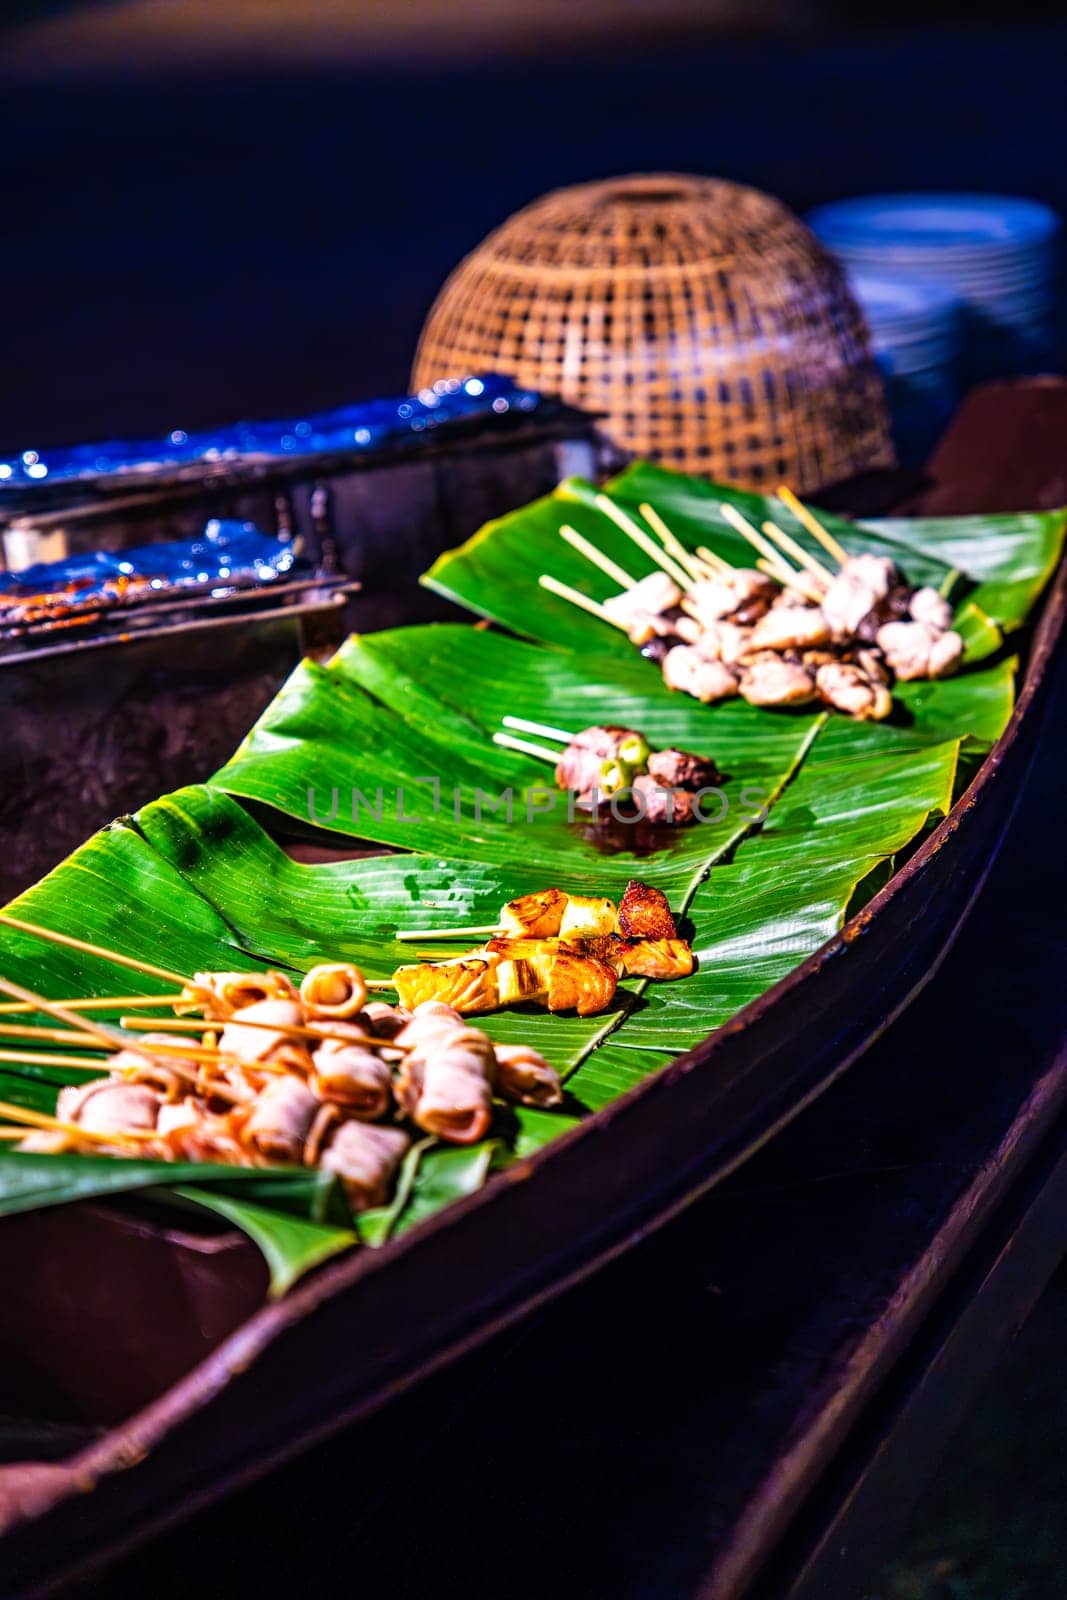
[(193, 881)]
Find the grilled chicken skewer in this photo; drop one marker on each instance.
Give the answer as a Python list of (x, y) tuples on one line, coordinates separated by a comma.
[(768, 633)]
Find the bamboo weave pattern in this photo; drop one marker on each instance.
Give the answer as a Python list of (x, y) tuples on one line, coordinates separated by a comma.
[(700, 317)]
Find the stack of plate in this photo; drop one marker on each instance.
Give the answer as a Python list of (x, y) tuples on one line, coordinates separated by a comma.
[(915, 328), (1000, 256)]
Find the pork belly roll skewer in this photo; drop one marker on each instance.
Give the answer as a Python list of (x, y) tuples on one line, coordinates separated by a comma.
[(446, 1086), (278, 1125), (365, 1158), (352, 1076), (219, 994), (333, 989), (524, 1075)]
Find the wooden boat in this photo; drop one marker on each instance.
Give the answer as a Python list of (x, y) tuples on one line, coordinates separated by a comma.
[(286, 1374)]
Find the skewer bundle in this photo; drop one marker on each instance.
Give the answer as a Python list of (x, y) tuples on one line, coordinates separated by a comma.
[(251, 1070), (606, 762), (563, 951), (788, 631)]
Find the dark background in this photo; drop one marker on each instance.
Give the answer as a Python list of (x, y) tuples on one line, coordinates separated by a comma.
[(222, 224)]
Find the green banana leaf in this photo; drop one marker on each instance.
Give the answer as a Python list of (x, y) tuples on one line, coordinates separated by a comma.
[(194, 882)]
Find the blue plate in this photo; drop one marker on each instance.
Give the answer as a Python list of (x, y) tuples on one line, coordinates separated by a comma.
[(936, 221)]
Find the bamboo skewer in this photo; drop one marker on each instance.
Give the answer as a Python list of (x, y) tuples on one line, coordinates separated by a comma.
[(798, 553), (812, 523), (783, 571), (643, 541), (542, 729), (671, 543), (616, 573), (118, 1002), (295, 1030), (719, 567), (40, 1119), (446, 933), (46, 1058), (577, 598), (541, 751), (799, 583), (9, 1030), (53, 937), (110, 1036)]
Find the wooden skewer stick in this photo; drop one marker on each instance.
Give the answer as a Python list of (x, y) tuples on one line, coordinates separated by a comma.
[(542, 729), (798, 553), (109, 1036), (11, 1030), (643, 541), (446, 933), (799, 583), (672, 544), (617, 574), (74, 1130), (540, 751), (293, 1030), (51, 1058), (719, 567), (93, 949), (813, 525), (116, 1002), (783, 570), (577, 598), (379, 984)]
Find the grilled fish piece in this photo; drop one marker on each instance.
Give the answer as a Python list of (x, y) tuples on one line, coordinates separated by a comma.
[(469, 984), (644, 913), (580, 983), (656, 958), (536, 916)]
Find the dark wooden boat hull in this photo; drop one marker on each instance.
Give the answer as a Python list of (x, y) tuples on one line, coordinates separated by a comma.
[(362, 1329)]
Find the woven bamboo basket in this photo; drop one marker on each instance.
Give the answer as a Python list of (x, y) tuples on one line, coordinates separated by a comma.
[(701, 318)]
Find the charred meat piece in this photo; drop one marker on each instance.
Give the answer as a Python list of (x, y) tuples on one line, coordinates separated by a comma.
[(914, 650), (681, 769), (723, 641), (684, 668), (644, 913), (768, 680), (714, 598), (926, 605), (661, 804), (862, 583), (650, 597), (791, 628), (848, 688)]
